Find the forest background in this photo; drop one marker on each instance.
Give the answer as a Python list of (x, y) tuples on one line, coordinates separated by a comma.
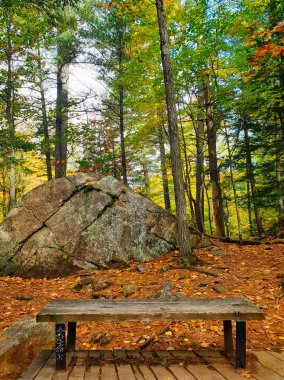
[(227, 65)]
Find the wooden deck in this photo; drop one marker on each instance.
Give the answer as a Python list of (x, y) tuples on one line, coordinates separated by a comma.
[(155, 365)]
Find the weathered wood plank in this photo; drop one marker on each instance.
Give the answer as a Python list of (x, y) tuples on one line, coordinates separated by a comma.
[(120, 354), (137, 310), (124, 372), (163, 355), (202, 372), (220, 363), (36, 365), (261, 372), (228, 371), (78, 372), (134, 355), (137, 372), (147, 372), (278, 355), (47, 371), (92, 373), (108, 372), (162, 373), (95, 354), (108, 355), (181, 373), (270, 361), (188, 356)]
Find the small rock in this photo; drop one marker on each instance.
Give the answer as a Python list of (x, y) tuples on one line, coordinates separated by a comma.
[(221, 288), (127, 290), (86, 281), (218, 251), (181, 276), (83, 282), (165, 292), (102, 338), (101, 284), (23, 297), (141, 268), (203, 284)]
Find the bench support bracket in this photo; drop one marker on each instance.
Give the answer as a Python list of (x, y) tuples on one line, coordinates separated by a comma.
[(228, 338), (60, 347), (71, 337), (240, 344)]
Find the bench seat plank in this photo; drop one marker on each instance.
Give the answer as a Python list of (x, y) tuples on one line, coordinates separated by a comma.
[(136, 310)]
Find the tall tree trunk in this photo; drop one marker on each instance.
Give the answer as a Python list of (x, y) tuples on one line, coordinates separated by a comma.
[(10, 116), (252, 182), (199, 132), (209, 209), (121, 130), (278, 170), (46, 143), (146, 178), (187, 175), (61, 123), (164, 171), (186, 253), (233, 183), (217, 199)]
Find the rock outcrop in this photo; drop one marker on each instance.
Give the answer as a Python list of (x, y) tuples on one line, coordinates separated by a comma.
[(80, 222), (20, 343)]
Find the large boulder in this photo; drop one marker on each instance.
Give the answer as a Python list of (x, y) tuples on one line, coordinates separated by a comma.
[(82, 221), (20, 343)]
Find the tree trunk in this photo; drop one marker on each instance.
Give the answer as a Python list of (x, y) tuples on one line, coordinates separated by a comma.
[(10, 117), (61, 123), (217, 199), (121, 130), (233, 184), (187, 175), (164, 171), (209, 209), (46, 144), (199, 132), (186, 253), (252, 182), (146, 178)]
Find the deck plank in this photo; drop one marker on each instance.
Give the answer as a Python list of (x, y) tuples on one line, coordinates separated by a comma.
[(162, 372), (147, 372), (78, 372), (108, 372), (137, 372), (125, 372), (261, 372), (202, 372), (271, 362), (92, 373), (36, 365), (279, 355), (180, 372), (47, 371)]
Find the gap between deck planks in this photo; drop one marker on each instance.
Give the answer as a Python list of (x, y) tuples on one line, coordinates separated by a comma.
[(154, 365)]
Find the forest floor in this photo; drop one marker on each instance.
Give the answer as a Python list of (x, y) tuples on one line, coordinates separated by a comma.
[(250, 271)]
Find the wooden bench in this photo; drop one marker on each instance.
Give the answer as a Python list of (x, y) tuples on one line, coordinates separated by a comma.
[(71, 311)]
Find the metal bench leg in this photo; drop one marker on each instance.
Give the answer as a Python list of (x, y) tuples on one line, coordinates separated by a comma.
[(240, 344), (60, 348), (228, 337), (71, 337)]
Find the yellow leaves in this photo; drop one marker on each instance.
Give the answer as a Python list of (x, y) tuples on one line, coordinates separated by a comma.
[(168, 333), (214, 328), (246, 374), (281, 337)]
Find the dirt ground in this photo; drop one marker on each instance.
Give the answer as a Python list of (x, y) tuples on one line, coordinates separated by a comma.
[(250, 271)]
